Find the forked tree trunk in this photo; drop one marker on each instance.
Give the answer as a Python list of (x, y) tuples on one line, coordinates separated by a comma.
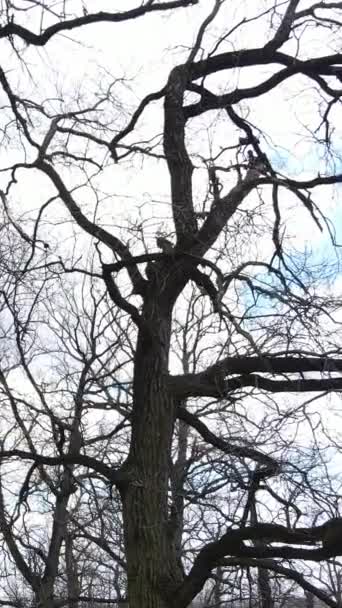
[(153, 570)]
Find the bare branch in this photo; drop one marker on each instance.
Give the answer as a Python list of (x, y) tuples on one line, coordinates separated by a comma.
[(14, 29)]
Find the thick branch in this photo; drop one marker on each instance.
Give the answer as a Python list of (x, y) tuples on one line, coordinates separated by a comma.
[(283, 32), (175, 255), (290, 573), (13, 29), (135, 117), (219, 215), (114, 476), (232, 543), (213, 381), (185, 389), (262, 56), (177, 158), (310, 11), (224, 446), (209, 101), (275, 365), (119, 300)]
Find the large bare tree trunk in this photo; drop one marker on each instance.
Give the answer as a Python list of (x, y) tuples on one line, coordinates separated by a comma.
[(153, 570)]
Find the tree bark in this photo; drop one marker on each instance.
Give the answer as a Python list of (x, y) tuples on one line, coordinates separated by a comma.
[(177, 513), (153, 571)]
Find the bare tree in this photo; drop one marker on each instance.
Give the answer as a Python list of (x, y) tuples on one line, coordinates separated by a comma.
[(149, 354)]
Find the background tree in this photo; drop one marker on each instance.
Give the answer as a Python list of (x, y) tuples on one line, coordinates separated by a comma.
[(154, 346)]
